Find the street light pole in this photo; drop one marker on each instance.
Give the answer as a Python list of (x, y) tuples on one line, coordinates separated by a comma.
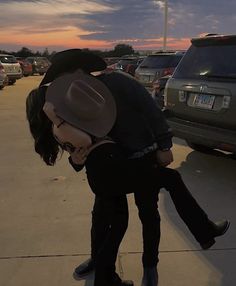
[(165, 24)]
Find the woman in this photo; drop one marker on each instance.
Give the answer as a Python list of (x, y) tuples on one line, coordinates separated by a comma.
[(111, 165)]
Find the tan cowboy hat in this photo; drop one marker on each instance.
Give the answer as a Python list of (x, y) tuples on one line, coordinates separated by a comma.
[(84, 102)]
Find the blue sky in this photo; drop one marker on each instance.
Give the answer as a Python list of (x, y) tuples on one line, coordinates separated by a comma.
[(101, 24)]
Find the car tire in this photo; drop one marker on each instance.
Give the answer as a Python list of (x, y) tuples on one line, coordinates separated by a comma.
[(199, 147), (11, 82)]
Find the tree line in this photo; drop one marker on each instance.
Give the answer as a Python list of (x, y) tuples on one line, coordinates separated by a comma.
[(118, 51)]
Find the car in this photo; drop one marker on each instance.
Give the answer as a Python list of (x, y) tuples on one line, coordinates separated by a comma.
[(40, 64), (200, 97), (11, 67), (26, 66), (125, 61), (126, 64), (111, 60), (3, 77), (157, 65), (158, 88), (131, 67)]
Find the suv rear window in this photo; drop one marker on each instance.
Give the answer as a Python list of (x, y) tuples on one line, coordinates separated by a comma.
[(8, 59), (161, 61), (126, 61), (208, 61)]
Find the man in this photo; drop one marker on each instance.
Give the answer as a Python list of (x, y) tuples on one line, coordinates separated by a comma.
[(140, 129)]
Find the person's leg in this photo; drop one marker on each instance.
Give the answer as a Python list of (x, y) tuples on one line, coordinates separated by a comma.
[(202, 228), (150, 219), (116, 212), (99, 228)]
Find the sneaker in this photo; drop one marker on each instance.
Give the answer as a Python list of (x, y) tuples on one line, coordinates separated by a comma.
[(119, 282), (84, 269), (219, 228)]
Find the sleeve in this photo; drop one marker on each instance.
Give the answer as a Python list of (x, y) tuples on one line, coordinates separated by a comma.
[(139, 97), (76, 167)]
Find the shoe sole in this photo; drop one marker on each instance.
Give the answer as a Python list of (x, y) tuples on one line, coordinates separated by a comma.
[(212, 242), (83, 276), (226, 228)]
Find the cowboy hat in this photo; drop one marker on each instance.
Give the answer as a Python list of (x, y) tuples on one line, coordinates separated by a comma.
[(84, 102), (71, 60)]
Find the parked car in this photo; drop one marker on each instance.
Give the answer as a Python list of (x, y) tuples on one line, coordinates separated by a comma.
[(11, 67), (201, 94), (3, 77), (158, 88), (127, 64), (156, 66), (131, 67), (40, 64), (125, 61), (111, 60), (26, 66)]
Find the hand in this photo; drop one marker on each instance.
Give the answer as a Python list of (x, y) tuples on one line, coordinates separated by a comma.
[(164, 158), (79, 156)]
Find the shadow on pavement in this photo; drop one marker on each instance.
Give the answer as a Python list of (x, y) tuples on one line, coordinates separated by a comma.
[(211, 178)]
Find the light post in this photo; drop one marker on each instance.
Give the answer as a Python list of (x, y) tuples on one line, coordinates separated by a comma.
[(165, 24)]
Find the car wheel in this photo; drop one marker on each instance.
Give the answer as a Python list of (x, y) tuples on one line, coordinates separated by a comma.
[(11, 82), (1, 87), (41, 73), (199, 147)]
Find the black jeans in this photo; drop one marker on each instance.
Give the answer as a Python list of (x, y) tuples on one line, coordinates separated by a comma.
[(110, 221), (111, 176)]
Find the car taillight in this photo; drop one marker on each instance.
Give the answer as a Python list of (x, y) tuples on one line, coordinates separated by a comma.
[(168, 71)]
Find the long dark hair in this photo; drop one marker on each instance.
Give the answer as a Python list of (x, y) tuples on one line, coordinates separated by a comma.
[(41, 127)]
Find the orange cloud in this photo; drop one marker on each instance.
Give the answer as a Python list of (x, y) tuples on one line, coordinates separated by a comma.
[(172, 43), (67, 39)]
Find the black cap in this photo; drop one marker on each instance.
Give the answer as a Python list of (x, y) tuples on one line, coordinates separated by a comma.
[(70, 60)]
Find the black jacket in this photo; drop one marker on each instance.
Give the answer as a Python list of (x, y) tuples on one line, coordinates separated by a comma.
[(139, 123)]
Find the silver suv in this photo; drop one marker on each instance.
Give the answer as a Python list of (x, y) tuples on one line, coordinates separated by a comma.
[(200, 97), (156, 66), (11, 67)]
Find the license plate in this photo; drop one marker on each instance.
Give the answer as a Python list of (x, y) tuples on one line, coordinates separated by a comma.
[(204, 101)]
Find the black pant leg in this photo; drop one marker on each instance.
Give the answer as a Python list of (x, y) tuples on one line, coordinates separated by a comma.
[(100, 226), (115, 212), (187, 207), (150, 219)]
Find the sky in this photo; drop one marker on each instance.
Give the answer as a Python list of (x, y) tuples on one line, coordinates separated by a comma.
[(102, 24)]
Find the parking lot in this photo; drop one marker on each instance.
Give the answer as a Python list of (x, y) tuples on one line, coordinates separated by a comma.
[(46, 213)]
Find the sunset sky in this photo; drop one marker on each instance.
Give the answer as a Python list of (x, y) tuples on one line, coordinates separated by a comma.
[(101, 24)]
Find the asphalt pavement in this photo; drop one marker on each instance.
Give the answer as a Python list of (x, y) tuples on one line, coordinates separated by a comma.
[(45, 213)]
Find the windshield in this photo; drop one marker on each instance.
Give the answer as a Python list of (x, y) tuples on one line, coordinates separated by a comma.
[(208, 61), (160, 61), (8, 59)]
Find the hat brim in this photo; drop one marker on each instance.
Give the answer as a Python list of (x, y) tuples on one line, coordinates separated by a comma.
[(98, 126), (71, 60)]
